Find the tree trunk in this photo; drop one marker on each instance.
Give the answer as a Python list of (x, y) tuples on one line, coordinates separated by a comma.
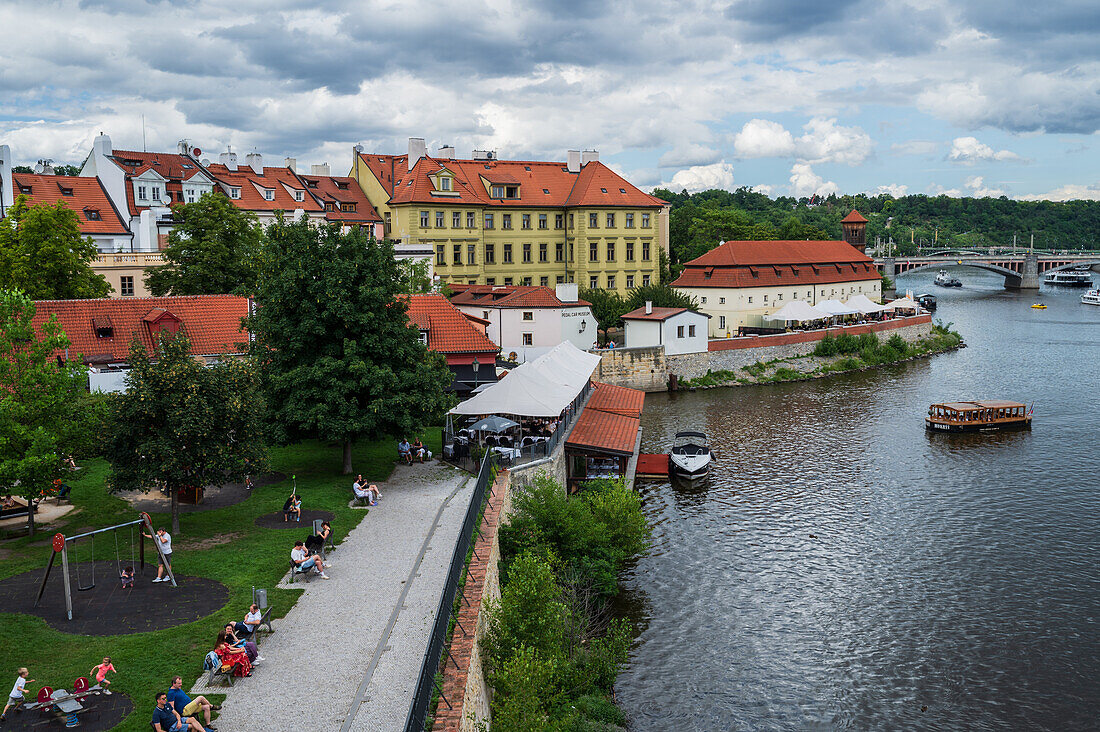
[(347, 457), (174, 493), (30, 517)]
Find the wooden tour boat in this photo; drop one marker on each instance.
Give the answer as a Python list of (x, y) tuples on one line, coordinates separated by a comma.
[(977, 416)]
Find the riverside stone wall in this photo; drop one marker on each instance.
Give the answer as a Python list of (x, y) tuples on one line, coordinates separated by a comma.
[(638, 368)]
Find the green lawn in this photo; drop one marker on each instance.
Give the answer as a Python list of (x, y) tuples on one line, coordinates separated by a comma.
[(248, 556)]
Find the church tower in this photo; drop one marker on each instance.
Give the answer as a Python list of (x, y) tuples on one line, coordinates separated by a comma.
[(855, 230)]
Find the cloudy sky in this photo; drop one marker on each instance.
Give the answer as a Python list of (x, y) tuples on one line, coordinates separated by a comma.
[(982, 97)]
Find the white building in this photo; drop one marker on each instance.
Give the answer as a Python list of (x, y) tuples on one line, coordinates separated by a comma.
[(679, 330), (527, 320)]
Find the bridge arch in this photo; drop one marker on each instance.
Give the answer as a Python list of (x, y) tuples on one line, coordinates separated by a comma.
[(902, 267)]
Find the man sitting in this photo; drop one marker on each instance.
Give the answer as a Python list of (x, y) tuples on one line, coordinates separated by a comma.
[(370, 492), (185, 706), (405, 450), (251, 621), (165, 718), (303, 561)]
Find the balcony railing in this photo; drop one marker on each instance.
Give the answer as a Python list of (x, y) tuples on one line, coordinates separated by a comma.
[(128, 259)]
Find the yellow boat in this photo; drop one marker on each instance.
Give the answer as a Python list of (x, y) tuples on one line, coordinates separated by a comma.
[(1039, 306)]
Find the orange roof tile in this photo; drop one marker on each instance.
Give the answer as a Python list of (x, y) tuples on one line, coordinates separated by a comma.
[(854, 218), (617, 400), (80, 195), (510, 296), (338, 190), (173, 167), (275, 179), (605, 432), (656, 314), (386, 168), (212, 322), (448, 329), (770, 263)]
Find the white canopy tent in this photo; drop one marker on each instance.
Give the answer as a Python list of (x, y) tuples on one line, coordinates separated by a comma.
[(863, 304), (836, 307), (798, 311), (902, 303)]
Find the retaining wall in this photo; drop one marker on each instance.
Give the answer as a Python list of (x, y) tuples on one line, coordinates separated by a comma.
[(638, 368)]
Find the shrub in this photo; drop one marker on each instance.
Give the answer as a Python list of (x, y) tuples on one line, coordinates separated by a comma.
[(847, 343), (898, 344), (868, 340), (826, 347)]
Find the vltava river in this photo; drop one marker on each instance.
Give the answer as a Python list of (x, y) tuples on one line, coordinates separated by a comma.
[(844, 569)]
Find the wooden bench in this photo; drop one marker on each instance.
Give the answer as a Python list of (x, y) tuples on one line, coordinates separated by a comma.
[(296, 571), (265, 619), (223, 670)]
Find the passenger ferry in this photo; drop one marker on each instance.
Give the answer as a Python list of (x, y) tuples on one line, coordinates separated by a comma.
[(1068, 278), (1092, 297), (977, 416)]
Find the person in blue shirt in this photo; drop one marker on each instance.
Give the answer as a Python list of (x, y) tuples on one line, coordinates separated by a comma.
[(165, 718), (185, 706)]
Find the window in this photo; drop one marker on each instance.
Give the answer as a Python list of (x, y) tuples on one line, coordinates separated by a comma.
[(570, 251), (750, 299), (593, 282), (622, 190), (593, 252), (703, 300), (506, 221), (765, 298), (190, 195), (496, 192), (471, 220), (457, 254), (235, 193), (611, 282), (527, 251), (630, 251), (347, 207), (610, 251), (543, 223), (544, 252), (507, 281), (721, 301), (67, 192), (143, 193), (545, 190), (603, 190), (544, 281), (156, 194), (424, 219), (645, 280), (526, 281), (630, 282), (444, 184), (780, 296), (611, 221), (422, 336), (629, 220), (560, 279), (570, 221), (388, 219), (721, 322), (528, 339), (471, 254), (559, 221), (93, 214), (691, 331), (528, 315), (488, 221), (456, 219), (525, 221), (299, 195), (439, 219), (126, 286), (645, 221), (440, 255), (490, 254), (489, 281), (645, 251), (507, 253), (559, 252), (593, 220), (679, 331)]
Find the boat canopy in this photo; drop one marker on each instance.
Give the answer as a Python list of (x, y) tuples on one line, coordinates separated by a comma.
[(690, 434)]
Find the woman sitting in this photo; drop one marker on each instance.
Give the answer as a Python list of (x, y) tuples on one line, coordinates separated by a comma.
[(249, 646), (292, 507), (237, 658)]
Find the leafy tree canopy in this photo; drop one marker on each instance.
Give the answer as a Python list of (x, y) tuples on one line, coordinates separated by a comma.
[(212, 250), (43, 254), (340, 359)]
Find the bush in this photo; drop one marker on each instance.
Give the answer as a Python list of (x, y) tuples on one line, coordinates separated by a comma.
[(847, 343), (898, 344), (826, 347)]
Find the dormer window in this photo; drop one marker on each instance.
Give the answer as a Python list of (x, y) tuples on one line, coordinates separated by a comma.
[(25, 189), (66, 191), (497, 192), (511, 192), (103, 327), (92, 214), (298, 195), (341, 185), (313, 183), (143, 193), (603, 190), (347, 207), (156, 193), (444, 184), (330, 206), (269, 194), (423, 338), (235, 193)]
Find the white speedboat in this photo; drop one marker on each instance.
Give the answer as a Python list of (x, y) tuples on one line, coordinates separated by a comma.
[(691, 454), (944, 279), (1092, 297), (1068, 278)]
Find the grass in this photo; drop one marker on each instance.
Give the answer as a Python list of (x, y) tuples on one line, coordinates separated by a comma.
[(255, 557)]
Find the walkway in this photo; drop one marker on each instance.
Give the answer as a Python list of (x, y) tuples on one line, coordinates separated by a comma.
[(347, 656)]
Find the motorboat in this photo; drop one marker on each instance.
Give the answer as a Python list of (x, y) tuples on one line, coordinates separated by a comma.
[(1092, 297), (927, 301), (1039, 306), (943, 279), (1068, 278), (978, 416), (691, 455)]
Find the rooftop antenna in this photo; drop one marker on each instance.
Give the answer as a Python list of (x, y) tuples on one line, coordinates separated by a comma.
[(144, 147)]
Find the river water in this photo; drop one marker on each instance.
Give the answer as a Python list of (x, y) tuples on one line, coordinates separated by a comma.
[(844, 569)]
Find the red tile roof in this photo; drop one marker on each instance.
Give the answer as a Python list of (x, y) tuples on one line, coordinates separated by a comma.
[(173, 167), (509, 296), (277, 179), (79, 195), (338, 190), (212, 322), (386, 168), (604, 432), (853, 218), (599, 185), (771, 263), (448, 329), (617, 400), (657, 314)]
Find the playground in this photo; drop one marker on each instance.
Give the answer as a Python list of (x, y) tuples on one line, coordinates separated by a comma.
[(153, 630)]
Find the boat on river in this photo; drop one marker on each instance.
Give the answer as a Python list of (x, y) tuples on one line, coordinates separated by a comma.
[(1092, 297), (978, 416), (927, 301), (943, 279), (691, 455), (1039, 306), (1068, 278)]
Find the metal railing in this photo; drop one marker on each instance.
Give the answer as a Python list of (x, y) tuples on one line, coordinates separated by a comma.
[(426, 686)]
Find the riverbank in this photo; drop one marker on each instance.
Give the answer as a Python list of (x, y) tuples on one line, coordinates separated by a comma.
[(838, 355)]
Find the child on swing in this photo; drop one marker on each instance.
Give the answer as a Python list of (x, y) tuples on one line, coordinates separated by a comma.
[(127, 577), (100, 673)]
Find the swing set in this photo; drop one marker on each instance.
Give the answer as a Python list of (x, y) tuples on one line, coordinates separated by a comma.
[(61, 545)]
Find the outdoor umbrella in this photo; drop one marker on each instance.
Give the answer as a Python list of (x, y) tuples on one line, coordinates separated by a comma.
[(493, 424)]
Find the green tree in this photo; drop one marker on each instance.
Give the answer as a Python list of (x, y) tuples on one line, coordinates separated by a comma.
[(608, 307), (332, 335), (181, 424), (43, 254), (212, 250), (662, 296), (39, 400), (68, 170), (414, 276)]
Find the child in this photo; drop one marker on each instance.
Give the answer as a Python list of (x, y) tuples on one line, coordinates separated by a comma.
[(100, 672), (15, 698), (127, 577)]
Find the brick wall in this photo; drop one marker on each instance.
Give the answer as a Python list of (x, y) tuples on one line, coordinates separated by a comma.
[(638, 368)]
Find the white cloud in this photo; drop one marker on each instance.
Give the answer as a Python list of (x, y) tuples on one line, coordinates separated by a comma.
[(897, 190), (968, 150), (688, 154), (915, 147), (764, 188), (1068, 192), (937, 190), (702, 177), (761, 138), (976, 185), (805, 182), (824, 141)]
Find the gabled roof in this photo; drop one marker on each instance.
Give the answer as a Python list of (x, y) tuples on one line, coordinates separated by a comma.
[(771, 263), (599, 185), (386, 168), (172, 167), (339, 190), (212, 322), (448, 329), (509, 296), (656, 314), (617, 400), (80, 195), (766, 253), (278, 179), (853, 218)]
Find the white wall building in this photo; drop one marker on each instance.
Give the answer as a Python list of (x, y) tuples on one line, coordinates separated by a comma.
[(679, 330)]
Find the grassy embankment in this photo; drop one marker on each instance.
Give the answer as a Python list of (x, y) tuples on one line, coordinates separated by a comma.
[(223, 544), (835, 355)]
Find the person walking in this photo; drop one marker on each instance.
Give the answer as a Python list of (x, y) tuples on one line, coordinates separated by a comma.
[(164, 557), (100, 673), (15, 698)]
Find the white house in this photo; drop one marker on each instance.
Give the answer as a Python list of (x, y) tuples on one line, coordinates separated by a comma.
[(529, 320), (679, 330)]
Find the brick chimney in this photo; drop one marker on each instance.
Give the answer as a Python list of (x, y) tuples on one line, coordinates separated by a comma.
[(255, 161)]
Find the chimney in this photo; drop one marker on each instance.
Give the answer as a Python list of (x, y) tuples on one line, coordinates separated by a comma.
[(573, 161), (589, 156), (102, 145), (649, 307), (484, 154), (447, 152), (7, 195), (291, 164), (44, 167), (229, 160), (321, 169), (183, 148), (566, 291), (417, 150), (255, 161)]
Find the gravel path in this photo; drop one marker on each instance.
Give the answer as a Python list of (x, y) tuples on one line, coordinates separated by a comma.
[(347, 656)]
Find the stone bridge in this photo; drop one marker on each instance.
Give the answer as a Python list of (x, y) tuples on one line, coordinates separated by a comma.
[(1021, 271)]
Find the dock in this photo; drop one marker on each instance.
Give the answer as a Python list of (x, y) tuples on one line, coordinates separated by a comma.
[(652, 466)]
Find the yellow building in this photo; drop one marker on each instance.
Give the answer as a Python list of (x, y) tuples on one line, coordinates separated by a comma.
[(493, 222)]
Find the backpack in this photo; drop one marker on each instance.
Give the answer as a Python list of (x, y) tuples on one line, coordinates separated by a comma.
[(212, 660)]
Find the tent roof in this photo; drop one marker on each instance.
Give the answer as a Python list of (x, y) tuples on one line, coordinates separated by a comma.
[(836, 307), (798, 310), (864, 304), (902, 302)]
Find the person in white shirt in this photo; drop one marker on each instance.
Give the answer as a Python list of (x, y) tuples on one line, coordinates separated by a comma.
[(165, 564), (304, 562), (15, 698), (251, 621), (370, 492)]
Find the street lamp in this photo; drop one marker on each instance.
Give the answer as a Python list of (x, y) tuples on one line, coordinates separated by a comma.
[(476, 366)]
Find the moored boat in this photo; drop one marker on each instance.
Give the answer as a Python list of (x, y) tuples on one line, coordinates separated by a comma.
[(1068, 278), (1092, 297), (943, 279), (1039, 306), (977, 416), (691, 455), (927, 301)]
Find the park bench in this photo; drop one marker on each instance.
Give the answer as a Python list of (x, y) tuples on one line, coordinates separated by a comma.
[(265, 619), (296, 571), (213, 666)]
